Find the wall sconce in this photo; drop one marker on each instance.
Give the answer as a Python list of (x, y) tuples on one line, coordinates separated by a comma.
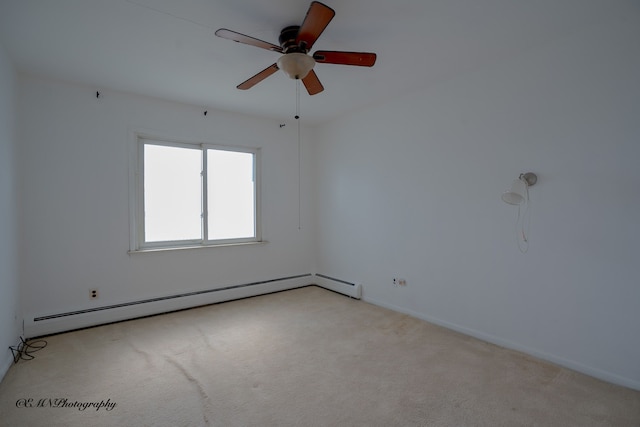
[(519, 191), (518, 195)]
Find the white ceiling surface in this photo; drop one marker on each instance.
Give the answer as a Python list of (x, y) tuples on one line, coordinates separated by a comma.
[(167, 48)]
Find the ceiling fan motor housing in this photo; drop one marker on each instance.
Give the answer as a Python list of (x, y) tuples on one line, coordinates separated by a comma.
[(287, 39), (295, 62)]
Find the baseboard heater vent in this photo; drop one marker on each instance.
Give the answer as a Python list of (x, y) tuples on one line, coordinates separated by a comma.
[(354, 290), (77, 319), (146, 301)]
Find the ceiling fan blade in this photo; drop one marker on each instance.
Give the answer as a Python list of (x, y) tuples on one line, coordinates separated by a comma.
[(251, 82), (362, 59), (241, 38), (317, 18), (312, 83)]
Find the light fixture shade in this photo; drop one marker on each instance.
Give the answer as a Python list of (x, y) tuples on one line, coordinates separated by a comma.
[(516, 194), (296, 65)]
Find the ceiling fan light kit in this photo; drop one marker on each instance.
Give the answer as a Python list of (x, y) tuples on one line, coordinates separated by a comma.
[(295, 43), (296, 65)]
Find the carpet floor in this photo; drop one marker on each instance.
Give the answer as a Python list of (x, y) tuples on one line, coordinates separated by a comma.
[(306, 357)]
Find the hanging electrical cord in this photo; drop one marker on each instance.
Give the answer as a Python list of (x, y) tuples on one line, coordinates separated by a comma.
[(25, 350), (523, 223)]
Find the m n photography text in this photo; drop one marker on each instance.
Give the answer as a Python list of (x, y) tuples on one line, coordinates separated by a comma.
[(63, 402)]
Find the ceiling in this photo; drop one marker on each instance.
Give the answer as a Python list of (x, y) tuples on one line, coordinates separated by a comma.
[(167, 48)]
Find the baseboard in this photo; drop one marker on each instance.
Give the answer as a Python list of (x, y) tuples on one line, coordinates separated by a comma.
[(46, 324), (570, 364), (5, 364), (354, 290)]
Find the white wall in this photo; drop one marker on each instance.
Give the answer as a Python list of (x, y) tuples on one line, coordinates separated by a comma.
[(74, 196), (9, 289), (412, 188)]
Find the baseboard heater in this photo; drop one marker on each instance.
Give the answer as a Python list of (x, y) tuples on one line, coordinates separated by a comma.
[(354, 290), (66, 321)]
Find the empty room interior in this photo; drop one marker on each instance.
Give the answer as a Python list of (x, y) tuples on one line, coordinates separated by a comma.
[(276, 212)]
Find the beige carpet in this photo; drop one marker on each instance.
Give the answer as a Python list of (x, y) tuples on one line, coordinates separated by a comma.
[(307, 357)]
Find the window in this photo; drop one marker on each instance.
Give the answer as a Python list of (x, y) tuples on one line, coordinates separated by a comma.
[(194, 195)]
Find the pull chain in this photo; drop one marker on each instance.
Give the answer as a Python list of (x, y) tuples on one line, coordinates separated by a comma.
[(299, 156), (297, 99)]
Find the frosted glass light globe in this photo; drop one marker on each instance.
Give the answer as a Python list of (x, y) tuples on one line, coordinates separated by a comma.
[(296, 65)]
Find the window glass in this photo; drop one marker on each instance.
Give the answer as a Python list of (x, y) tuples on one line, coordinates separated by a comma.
[(172, 193), (230, 185)]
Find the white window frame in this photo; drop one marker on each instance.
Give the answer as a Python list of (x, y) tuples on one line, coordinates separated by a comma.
[(136, 200)]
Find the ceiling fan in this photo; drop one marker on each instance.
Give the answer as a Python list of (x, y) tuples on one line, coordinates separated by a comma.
[(295, 41)]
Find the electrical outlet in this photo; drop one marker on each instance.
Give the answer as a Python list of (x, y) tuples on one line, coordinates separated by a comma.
[(93, 294), (399, 282)]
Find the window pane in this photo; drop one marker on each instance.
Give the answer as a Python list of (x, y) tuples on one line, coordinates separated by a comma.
[(231, 195), (172, 193)]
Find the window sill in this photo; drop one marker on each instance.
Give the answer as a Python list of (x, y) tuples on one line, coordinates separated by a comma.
[(182, 248)]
